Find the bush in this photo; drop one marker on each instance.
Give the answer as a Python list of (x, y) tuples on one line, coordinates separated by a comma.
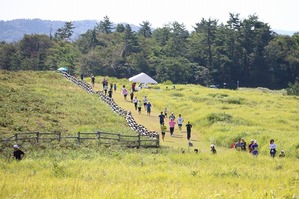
[(293, 88), (219, 117)]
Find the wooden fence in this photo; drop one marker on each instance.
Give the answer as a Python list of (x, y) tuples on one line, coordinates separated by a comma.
[(100, 137)]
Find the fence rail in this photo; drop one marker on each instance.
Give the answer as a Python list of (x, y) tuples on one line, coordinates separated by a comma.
[(101, 138)]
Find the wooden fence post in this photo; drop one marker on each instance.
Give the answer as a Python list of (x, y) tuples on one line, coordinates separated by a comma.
[(119, 137), (79, 141), (59, 136), (158, 141), (139, 141), (16, 137), (99, 137), (37, 137)]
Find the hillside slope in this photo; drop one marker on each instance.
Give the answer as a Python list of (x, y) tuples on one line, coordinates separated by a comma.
[(47, 102)]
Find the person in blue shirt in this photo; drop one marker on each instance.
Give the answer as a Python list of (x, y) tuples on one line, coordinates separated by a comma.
[(254, 148), (148, 108)]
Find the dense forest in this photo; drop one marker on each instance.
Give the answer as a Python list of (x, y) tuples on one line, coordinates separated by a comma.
[(242, 52)]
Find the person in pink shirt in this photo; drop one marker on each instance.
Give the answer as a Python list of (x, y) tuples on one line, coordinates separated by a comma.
[(171, 125)]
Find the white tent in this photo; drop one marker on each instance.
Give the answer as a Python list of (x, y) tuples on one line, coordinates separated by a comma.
[(143, 78)]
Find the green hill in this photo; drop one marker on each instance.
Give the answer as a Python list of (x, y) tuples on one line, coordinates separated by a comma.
[(46, 101)]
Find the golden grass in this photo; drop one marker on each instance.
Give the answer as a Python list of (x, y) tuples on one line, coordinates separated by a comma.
[(218, 116)]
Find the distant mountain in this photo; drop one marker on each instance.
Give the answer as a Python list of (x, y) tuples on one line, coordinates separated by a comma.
[(284, 32), (14, 30)]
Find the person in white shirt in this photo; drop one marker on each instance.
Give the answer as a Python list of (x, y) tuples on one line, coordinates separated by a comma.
[(145, 100), (272, 148), (180, 122)]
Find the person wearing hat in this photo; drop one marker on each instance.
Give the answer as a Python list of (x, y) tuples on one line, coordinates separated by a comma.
[(213, 150), (18, 154), (249, 146), (254, 148)]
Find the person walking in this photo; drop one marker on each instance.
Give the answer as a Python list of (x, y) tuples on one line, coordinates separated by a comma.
[(243, 142), (135, 101), (93, 80), (105, 89), (180, 122), (171, 126), (18, 154), (189, 126), (165, 112), (114, 87), (162, 117), (249, 146), (110, 93), (139, 106), (149, 106), (132, 95), (172, 117), (145, 100), (163, 130), (124, 92), (272, 148), (254, 148)]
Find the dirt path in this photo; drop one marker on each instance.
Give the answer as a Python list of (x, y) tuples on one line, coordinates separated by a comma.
[(178, 140)]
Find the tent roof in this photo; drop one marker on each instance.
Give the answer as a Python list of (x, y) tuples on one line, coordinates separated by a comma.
[(142, 78)]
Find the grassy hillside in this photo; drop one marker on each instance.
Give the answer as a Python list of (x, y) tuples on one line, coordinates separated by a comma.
[(47, 102)]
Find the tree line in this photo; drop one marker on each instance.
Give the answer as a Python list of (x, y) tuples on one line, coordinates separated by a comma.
[(241, 52)]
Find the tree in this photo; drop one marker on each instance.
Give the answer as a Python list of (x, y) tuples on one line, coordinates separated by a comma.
[(145, 29), (177, 42), (130, 42), (62, 54), (207, 28), (66, 32), (293, 88), (33, 51), (120, 28), (105, 26), (7, 56), (88, 41)]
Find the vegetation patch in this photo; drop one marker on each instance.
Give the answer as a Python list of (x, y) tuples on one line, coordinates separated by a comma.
[(219, 117)]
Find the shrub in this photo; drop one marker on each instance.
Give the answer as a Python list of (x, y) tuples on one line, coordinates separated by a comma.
[(293, 88), (219, 117)]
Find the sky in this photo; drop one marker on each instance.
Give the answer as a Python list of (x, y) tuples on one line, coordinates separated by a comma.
[(279, 14)]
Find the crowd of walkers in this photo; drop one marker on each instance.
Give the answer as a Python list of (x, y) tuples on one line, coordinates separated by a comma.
[(253, 147), (240, 145)]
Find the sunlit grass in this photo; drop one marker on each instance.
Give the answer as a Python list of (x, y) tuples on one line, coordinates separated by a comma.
[(45, 102)]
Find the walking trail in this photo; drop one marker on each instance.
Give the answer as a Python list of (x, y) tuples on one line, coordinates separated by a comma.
[(178, 140)]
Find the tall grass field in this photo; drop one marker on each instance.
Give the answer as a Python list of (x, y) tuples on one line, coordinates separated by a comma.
[(47, 102)]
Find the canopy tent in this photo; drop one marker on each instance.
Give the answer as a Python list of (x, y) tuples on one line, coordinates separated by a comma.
[(62, 69), (143, 78)]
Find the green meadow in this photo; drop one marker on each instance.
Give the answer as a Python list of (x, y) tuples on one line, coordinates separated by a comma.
[(47, 102)]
